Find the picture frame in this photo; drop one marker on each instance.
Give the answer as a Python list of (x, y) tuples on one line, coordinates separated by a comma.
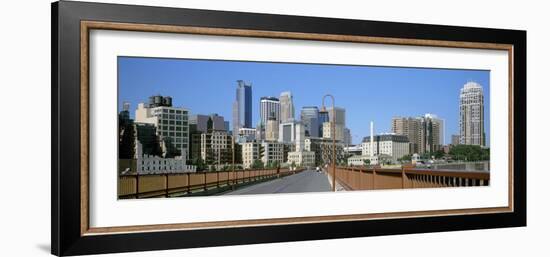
[(71, 26)]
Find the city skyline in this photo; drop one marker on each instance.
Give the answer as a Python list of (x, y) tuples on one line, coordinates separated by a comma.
[(397, 91)]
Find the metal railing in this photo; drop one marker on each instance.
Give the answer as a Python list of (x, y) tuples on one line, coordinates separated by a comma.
[(196, 183), (368, 178)]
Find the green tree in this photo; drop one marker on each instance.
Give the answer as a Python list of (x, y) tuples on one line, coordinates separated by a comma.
[(366, 162), (257, 164), (469, 153)]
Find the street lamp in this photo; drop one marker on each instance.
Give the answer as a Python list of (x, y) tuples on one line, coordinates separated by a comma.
[(333, 132)]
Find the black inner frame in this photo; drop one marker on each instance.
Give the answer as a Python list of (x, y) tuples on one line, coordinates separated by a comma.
[(65, 166)]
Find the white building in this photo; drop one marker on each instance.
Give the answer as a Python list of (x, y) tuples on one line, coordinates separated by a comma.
[(287, 132), (149, 164), (250, 153), (303, 159), (339, 128), (472, 131), (300, 156), (393, 145), (171, 122)]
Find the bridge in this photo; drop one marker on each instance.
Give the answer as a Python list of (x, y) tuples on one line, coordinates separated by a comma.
[(270, 181)]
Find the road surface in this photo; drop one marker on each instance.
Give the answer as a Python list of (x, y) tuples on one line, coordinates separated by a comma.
[(305, 181)]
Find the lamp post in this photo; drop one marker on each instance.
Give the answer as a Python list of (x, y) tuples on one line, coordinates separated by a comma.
[(333, 132)]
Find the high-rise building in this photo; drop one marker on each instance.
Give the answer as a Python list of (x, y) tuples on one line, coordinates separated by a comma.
[(340, 115), (455, 139), (272, 129), (347, 136), (323, 117), (472, 131), (287, 132), (242, 107), (287, 107), (440, 123), (171, 124), (339, 131), (310, 119), (424, 133), (269, 107)]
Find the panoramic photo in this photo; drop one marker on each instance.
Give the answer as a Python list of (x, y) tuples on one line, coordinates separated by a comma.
[(191, 127)]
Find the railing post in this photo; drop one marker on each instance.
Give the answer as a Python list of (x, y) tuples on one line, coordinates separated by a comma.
[(188, 183), (204, 181), (137, 185), (373, 178), (402, 177), (166, 185)]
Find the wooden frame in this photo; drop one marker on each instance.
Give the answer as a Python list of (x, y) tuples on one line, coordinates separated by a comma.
[(71, 23)]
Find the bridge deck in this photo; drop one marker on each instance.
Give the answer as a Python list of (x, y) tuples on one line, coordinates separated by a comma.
[(306, 181)]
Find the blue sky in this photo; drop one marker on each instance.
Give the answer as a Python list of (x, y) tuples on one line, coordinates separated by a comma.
[(366, 92)]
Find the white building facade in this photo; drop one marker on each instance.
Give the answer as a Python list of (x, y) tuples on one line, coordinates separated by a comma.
[(171, 123), (392, 145), (472, 131)]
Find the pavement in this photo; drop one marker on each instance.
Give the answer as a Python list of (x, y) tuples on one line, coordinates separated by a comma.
[(305, 181)]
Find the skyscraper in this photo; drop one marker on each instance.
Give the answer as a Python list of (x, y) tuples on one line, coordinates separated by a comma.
[(323, 117), (424, 133), (472, 130), (269, 107), (242, 107), (272, 129), (310, 119), (287, 107)]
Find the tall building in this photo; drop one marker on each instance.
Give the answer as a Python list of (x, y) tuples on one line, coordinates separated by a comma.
[(287, 131), (340, 115), (441, 124), (272, 129), (472, 131), (242, 107), (323, 117), (455, 139), (424, 133), (171, 124), (287, 107), (269, 107), (310, 119), (339, 130), (347, 136)]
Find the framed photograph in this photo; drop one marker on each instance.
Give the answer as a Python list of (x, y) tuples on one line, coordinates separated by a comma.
[(178, 128)]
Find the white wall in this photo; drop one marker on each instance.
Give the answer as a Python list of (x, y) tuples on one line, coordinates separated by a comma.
[(25, 59)]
